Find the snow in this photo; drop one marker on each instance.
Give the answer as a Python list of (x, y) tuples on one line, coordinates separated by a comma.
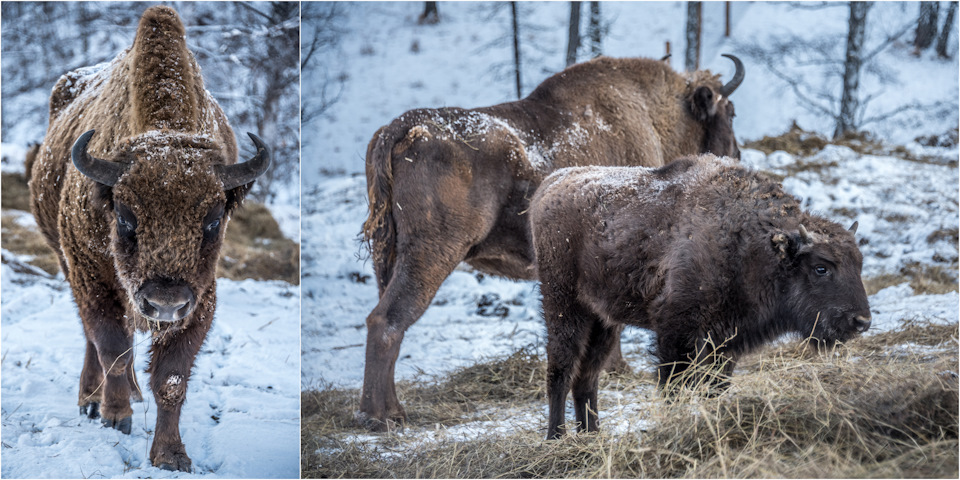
[(241, 417)]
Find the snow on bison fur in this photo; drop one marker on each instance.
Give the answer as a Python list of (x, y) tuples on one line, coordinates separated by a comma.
[(714, 258), (138, 230), (452, 185)]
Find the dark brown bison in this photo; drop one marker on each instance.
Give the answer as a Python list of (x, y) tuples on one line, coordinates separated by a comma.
[(138, 230), (450, 185), (715, 259)]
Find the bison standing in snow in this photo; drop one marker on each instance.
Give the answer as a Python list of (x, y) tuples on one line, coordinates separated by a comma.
[(715, 259), (450, 185), (138, 216)]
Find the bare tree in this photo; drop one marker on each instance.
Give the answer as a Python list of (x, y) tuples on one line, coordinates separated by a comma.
[(430, 14), (849, 101), (943, 41), (694, 15), (324, 18), (926, 26), (516, 48), (595, 30), (573, 37)]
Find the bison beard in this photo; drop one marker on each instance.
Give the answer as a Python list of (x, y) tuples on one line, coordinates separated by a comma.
[(712, 257), (138, 231), (450, 185)]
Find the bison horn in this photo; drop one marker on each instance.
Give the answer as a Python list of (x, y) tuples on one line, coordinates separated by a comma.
[(665, 57), (853, 228), (734, 82), (804, 235), (101, 171), (233, 176)]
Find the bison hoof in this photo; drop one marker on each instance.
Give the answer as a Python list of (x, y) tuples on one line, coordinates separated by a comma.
[(91, 410), (123, 424), (177, 460)]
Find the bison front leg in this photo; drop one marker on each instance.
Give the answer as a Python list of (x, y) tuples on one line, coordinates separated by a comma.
[(91, 383), (172, 360), (104, 382)]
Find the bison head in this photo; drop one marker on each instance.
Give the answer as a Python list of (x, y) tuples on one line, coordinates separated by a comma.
[(168, 197), (710, 104), (823, 294)]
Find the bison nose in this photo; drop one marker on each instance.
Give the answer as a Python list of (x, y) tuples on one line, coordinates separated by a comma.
[(166, 301), (861, 323)]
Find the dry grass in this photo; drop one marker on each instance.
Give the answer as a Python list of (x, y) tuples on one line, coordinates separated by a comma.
[(795, 141), (27, 241), (802, 143), (254, 246), (866, 410), (923, 278)]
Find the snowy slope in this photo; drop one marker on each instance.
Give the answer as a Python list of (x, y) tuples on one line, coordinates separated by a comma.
[(460, 62), (241, 417)]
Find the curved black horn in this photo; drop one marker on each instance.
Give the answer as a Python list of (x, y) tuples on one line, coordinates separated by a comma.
[(665, 57), (99, 170), (233, 176), (734, 82)]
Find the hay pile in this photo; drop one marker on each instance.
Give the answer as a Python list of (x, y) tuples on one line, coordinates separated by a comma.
[(883, 406)]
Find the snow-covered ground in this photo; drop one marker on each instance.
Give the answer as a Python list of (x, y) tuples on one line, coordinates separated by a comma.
[(399, 65), (241, 417)]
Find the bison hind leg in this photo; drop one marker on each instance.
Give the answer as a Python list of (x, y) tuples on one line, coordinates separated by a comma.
[(603, 341), (91, 384)]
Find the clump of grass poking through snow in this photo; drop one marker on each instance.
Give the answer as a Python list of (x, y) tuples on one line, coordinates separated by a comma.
[(866, 410)]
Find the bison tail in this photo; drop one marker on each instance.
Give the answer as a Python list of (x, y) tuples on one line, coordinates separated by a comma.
[(380, 230)]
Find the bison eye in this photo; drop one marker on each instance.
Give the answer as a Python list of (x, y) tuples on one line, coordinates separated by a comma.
[(821, 270), (212, 226), (126, 222)]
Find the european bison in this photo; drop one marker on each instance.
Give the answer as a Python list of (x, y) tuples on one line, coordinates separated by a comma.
[(449, 185), (138, 230), (712, 257)]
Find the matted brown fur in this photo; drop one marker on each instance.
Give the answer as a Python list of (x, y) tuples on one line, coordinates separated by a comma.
[(449, 185), (150, 111), (714, 258)]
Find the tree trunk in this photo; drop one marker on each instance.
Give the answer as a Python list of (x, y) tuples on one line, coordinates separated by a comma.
[(926, 26), (516, 48), (943, 42), (692, 59), (849, 101), (573, 37), (596, 31), (430, 14), (726, 19)]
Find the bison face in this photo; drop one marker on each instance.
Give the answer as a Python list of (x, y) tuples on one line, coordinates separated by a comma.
[(710, 104), (823, 292), (170, 201)]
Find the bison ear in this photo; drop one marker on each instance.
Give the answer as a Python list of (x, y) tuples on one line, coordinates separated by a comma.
[(789, 245), (235, 198), (704, 107)]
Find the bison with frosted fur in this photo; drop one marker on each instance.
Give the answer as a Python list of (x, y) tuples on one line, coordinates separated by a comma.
[(712, 257), (133, 186), (450, 185)]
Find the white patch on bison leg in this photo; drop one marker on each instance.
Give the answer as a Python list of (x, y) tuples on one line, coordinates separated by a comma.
[(174, 390)]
